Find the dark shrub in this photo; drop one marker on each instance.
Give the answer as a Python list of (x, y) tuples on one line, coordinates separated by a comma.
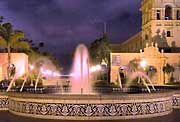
[(103, 87), (18, 82), (4, 84)]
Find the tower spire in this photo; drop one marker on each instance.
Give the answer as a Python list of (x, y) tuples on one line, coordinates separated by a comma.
[(105, 28)]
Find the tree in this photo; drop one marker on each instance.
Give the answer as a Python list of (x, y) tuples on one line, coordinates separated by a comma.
[(100, 50), (133, 65), (168, 69), (151, 71), (1, 19), (36, 53), (11, 39), (53, 59), (41, 44)]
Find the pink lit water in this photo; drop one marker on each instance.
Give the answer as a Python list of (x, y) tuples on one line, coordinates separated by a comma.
[(80, 81), (142, 75)]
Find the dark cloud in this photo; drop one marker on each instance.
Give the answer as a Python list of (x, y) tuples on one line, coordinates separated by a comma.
[(62, 24)]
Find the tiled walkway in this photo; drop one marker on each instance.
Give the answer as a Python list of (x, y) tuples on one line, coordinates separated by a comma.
[(173, 117)]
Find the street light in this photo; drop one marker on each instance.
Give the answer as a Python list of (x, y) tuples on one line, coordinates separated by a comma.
[(95, 68), (143, 63), (98, 67)]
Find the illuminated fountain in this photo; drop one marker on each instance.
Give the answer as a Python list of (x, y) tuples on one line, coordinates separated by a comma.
[(81, 104), (80, 81), (145, 79), (139, 74)]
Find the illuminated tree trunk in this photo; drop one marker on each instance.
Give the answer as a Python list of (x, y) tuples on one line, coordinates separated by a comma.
[(9, 61)]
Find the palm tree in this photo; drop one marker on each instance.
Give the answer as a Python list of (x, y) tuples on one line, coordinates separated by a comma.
[(151, 71), (10, 39), (133, 65)]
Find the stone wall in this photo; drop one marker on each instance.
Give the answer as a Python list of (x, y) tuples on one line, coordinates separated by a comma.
[(153, 58), (123, 59), (151, 24), (153, 29), (20, 60), (90, 107)]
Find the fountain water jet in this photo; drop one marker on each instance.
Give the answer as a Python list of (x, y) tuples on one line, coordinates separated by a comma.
[(22, 86), (80, 81), (119, 80), (11, 84), (143, 76), (37, 80)]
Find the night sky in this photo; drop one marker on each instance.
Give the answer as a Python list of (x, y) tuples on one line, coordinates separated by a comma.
[(62, 24)]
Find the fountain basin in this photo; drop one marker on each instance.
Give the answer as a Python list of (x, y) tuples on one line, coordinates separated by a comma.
[(89, 107)]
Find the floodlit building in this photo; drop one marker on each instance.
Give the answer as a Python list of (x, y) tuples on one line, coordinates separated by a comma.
[(158, 43), (20, 61)]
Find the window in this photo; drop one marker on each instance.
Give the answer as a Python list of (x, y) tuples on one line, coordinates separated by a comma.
[(115, 60), (168, 33), (178, 15), (168, 13), (158, 14)]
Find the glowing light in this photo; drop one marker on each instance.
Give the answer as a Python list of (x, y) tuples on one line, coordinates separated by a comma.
[(42, 69), (48, 72), (98, 67), (143, 63), (123, 67), (11, 65), (20, 65), (56, 74), (31, 67), (95, 68), (103, 63), (72, 74)]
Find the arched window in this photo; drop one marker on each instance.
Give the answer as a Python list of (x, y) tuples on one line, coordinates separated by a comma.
[(168, 13), (158, 14), (168, 33), (178, 15)]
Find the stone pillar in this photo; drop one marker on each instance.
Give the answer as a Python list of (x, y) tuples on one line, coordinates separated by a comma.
[(159, 75), (174, 13), (163, 14), (153, 14), (114, 74), (150, 15)]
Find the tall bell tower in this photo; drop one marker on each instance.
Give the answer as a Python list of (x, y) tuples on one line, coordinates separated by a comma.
[(161, 22)]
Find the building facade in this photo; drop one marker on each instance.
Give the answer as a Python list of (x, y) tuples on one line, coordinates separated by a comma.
[(160, 32), (153, 58), (161, 22), (20, 61)]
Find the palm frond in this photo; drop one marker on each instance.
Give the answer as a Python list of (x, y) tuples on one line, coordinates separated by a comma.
[(3, 32), (21, 45), (7, 30), (3, 42), (15, 37)]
